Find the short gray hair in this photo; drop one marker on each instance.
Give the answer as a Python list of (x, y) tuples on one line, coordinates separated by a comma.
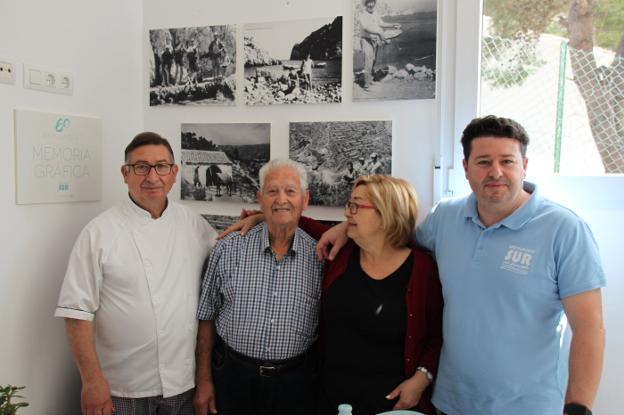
[(282, 163)]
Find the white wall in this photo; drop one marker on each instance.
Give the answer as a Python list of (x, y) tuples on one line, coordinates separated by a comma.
[(99, 43), (600, 201)]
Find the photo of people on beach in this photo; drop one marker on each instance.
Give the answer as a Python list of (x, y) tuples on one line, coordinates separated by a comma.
[(193, 65), (394, 49), (293, 62)]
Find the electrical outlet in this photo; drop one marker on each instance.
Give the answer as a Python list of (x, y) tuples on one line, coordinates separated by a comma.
[(7, 71), (48, 80), (66, 82)]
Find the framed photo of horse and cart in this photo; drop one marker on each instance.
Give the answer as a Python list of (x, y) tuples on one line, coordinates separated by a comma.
[(221, 162)]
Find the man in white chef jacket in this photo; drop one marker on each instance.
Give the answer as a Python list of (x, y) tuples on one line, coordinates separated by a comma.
[(131, 289)]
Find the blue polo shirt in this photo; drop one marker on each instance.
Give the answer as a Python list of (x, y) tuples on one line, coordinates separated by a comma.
[(505, 345)]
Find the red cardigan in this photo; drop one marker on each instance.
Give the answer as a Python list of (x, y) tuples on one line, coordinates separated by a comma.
[(424, 307)]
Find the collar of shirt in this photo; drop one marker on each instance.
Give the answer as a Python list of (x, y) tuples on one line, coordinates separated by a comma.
[(139, 212), (266, 240), (514, 221)]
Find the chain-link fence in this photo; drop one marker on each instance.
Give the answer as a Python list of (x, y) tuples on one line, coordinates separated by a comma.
[(571, 102)]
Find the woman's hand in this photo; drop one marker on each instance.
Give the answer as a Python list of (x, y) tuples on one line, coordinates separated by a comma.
[(248, 219), (409, 391)]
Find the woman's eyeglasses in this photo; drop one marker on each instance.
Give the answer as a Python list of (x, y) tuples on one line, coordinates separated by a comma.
[(353, 207)]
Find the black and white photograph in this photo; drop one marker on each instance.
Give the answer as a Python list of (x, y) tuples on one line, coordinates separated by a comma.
[(336, 153), (394, 49), (220, 222), (293, 62), (220, 162), (193, 65)]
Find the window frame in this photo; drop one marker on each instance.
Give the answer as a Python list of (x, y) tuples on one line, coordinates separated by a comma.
[(574, 191)]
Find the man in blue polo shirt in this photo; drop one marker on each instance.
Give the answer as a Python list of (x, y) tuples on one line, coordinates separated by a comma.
[(511, 264), (516, 270)]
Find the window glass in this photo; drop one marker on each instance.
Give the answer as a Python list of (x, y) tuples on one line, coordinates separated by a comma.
[(556, 66)]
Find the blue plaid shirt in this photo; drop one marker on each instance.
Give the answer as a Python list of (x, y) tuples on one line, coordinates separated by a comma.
[(263, 308)]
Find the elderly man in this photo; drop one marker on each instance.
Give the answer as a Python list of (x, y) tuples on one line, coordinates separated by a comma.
[(131, 290), (516, 270), (259, 309)]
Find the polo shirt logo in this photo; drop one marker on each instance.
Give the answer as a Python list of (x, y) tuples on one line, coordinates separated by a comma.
[(518, 260)]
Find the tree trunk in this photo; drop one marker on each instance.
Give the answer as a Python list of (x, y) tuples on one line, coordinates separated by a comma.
[(598, 87)]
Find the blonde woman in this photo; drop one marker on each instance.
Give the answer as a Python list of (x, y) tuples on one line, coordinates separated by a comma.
[(381, 308)]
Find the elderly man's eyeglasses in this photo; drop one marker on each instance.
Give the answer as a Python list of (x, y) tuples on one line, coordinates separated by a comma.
[(353, 207), (143, 169)]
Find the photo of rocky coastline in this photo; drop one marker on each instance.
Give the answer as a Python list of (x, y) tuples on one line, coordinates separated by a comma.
[(336, 153), (394, 49), (193, 65), (221, 162), (293, 62)]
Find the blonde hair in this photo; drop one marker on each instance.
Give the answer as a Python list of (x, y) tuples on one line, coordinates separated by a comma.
[(397, 204)]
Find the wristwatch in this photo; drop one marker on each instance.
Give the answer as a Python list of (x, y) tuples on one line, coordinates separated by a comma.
[(576, 409), (426, 372)]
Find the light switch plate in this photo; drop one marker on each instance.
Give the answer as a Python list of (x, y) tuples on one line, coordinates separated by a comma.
[(48, 80)]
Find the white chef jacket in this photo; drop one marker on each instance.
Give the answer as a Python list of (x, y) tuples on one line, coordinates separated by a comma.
[(138, 279)]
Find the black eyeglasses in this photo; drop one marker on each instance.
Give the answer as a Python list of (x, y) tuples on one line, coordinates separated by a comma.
[(143, 169), (353, 207)]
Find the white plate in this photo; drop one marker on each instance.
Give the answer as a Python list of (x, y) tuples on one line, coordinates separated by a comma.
[(391, 34)]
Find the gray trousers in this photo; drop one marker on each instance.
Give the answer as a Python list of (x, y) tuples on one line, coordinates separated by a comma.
[(181, 404)]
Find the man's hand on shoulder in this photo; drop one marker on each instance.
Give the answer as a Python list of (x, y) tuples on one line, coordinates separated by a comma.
[(336, 237), (248, 219), (96, 398), (204, 401)]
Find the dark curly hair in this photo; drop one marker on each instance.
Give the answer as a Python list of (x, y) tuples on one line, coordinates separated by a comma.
[(493, 126)]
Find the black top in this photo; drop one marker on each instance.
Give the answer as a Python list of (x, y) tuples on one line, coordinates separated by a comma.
[(365, 326)]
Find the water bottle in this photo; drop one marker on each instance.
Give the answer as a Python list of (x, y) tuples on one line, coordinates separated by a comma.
[(345, 409)]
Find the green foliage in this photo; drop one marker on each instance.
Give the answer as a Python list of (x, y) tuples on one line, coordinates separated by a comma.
[(514, 18), (506, 62), (7, 393), (509, 54), (608, 23), (509, 49), (557, 28)]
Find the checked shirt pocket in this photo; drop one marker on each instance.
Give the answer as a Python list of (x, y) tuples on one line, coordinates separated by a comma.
[(307, 308)]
